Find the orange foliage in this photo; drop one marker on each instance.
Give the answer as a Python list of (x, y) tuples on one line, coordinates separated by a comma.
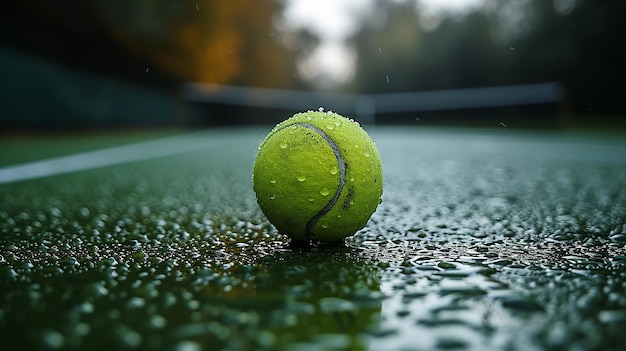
[(217, 42)]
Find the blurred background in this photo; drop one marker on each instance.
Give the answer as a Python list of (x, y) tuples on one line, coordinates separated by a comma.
[(555, 64)]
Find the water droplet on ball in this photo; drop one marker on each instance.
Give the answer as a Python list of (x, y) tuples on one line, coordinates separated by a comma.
[(333, 170), (325, 226), (301, 178), (272, 197), (366, 154), (352, 178), (283, 145), (324, 191), (311, 199), (330, 126), (273, 181)]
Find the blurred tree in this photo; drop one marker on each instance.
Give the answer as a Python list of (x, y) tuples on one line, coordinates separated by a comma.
[(202, 40), (205, 41), (389, 49), (396, 53)]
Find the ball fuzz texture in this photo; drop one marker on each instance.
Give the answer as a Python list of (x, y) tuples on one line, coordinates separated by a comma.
[(318, 177)]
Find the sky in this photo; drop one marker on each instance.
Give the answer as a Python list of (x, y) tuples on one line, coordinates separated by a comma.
[(334, 21)]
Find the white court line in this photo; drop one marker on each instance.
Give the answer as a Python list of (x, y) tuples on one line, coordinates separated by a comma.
[(111, 156)]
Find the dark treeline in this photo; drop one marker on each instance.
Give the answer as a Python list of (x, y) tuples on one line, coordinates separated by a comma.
[(503, 43)]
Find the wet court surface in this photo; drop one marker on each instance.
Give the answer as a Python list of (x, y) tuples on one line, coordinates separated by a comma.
[(485, 240)]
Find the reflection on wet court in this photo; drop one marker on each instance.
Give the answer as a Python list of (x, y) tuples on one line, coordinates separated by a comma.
[(485, 240)]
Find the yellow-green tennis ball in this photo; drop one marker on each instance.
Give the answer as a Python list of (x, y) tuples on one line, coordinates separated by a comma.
[(318, 177)]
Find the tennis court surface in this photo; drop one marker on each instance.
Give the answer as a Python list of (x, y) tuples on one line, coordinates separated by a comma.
[(485, 240)]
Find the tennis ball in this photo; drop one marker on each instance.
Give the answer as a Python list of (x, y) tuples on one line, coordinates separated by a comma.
[(318, 177)]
